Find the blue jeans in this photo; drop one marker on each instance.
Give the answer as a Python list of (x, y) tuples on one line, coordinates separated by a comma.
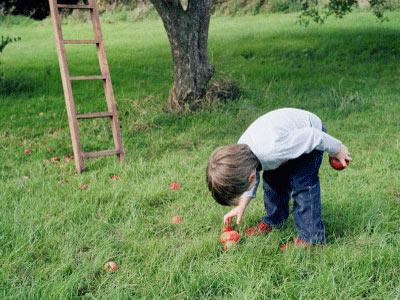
[(299, 178)]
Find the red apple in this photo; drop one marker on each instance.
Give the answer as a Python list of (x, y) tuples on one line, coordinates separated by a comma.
[(27, 151), (228, 228), (174, 186), (115, 177), (176, 219), (110, 266), (229, 236), (336, 164)]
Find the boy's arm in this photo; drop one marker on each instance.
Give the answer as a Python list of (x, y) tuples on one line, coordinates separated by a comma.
[(308, 139)]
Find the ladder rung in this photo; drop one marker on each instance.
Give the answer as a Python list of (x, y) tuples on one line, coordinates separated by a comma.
[(95, 77), (100, 153), (75, 6), (81, 42), (95, 115)]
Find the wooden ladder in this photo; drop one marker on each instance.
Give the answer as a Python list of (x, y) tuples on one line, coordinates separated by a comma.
[(73, 117)]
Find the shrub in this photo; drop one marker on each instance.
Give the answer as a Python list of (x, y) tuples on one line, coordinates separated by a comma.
[(7, 40), (233, 7), (283, 5)]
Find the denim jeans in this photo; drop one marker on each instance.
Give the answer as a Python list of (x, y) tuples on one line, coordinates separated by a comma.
[(299, 178)]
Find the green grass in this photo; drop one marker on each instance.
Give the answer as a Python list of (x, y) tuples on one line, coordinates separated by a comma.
[(55, 238)]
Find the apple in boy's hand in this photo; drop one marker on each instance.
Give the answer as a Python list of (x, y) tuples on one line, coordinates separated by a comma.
[(336, 164)]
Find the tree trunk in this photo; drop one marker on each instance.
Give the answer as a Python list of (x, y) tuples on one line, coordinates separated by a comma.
[(188, 35)]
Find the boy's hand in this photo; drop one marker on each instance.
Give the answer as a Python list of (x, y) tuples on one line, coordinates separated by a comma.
[(237, 212), (343, 155)]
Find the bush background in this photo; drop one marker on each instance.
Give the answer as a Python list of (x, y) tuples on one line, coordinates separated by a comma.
[(39, 9)]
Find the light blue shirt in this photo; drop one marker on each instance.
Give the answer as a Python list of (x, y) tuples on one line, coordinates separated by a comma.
[(284, 134)]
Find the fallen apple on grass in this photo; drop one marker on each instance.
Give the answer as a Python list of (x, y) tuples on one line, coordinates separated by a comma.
[(110, 266), (176, 219), (174, 186), (115, 177), (229, 237), (228, 228)]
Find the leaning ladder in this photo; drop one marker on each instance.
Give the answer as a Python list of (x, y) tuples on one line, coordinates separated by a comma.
[(73, 117)]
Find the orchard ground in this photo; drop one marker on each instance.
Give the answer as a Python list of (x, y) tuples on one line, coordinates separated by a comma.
[(55, 236)]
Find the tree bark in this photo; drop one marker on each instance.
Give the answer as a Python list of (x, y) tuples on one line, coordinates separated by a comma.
[(188, 36)]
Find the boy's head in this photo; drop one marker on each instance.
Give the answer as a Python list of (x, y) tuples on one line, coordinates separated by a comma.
[(230, 172)]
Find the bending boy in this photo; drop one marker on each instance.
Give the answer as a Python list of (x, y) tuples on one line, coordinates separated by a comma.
[(287, 145)]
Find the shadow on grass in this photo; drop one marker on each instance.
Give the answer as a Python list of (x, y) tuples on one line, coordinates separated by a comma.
[(378, 44), (16, 86), (354, 47), (357, 218)]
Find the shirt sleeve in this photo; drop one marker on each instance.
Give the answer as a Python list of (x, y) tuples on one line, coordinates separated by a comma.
[(307, 139), (253, 192)]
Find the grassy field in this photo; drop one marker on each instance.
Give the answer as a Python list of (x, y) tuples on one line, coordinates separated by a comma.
[(55, 237)]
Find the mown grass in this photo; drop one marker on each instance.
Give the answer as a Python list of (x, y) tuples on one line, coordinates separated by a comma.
[(55, 238)]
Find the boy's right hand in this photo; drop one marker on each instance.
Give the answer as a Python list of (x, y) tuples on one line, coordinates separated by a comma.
[(237, 212), (343, 155)]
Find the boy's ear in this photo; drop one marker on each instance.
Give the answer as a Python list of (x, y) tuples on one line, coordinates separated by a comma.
[(252, 176)]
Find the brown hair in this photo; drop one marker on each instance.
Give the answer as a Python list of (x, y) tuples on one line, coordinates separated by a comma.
[(228, 171)]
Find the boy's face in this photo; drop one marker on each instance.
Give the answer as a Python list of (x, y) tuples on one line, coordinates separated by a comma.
[(252, 179)]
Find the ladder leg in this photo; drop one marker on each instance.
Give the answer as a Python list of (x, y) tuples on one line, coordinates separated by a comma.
[(109, 94), (69, 99)]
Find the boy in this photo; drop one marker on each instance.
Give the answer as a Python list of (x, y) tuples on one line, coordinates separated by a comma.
[(287, 145)]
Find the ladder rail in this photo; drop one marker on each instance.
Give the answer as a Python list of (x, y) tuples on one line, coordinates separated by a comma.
[(95, 115), (80, 42), (92, 77), (67, 87), (108, 89), (100, 153)]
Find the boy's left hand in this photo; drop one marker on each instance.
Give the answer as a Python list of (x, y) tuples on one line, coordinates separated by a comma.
[(343, 155)]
